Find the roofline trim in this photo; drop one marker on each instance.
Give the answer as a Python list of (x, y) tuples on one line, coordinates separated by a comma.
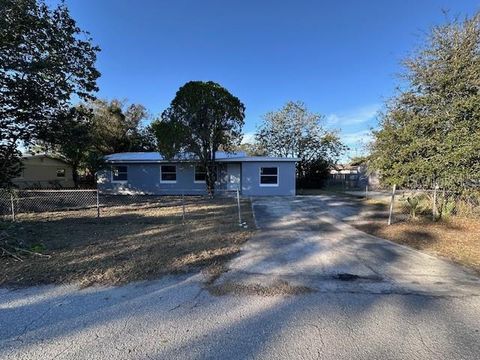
[(117, 161)]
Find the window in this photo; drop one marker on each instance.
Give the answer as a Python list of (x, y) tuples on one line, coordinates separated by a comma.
[(119, 173), (61, 173), (269, 176), (201, 174), (168, 174)]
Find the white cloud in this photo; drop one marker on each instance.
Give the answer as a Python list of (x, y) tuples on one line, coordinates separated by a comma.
[(354, 116), (363, 136), (248, 138)]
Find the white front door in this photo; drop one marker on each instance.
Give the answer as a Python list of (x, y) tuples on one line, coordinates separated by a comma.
[(233, 176)]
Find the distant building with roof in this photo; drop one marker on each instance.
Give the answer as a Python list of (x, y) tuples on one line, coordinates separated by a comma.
[(150, 173), (44, 171)]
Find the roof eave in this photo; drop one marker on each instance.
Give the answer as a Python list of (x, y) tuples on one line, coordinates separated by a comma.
[(117, 161)]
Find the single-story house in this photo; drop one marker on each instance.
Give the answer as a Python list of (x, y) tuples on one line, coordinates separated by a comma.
[(150, 173), (44, 171)]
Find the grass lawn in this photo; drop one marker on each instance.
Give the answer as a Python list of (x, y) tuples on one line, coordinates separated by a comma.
[(127, 243), (455, 238)]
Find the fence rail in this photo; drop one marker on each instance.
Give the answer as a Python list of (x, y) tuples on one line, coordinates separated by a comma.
[(404, 204), (17, 202)]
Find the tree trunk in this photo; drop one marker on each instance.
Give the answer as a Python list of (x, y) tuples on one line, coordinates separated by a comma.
[(75, 176), (210, 176)]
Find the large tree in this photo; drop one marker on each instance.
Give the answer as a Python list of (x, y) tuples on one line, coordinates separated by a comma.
[(118, 127), (202, 118), (45, 62), (87, 132), (293, 131), (430, 131)]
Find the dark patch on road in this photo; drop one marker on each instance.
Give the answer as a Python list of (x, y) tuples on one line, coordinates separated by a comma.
[(354, 277), (277, 288)]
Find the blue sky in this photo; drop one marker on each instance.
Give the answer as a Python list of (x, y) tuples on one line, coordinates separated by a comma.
[(339, 57)]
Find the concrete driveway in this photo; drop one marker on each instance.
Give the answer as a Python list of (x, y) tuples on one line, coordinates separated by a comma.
[(306, 242), (308, 286)]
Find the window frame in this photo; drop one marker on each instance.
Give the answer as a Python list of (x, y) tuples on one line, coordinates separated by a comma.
[(203, 181), (112, 174), (64, 173), (195, 181), (260, 176), (168, 172)]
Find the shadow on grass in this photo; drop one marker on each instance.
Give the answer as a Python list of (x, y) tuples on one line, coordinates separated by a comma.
[(125, 244)]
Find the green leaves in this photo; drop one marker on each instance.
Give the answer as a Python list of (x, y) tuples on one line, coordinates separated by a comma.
[(45, 61), (171, 137), (293, 131), (430, 132), (201, 118)]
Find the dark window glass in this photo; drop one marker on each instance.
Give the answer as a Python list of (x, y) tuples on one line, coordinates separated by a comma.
[(268, 179), (269, 175), (200, 173), (168, 173), (268, 171), (169, 168), (119, 173)]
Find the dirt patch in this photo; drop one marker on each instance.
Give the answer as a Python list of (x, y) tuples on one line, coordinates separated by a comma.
[(457, 239), (277, 288), (127, 243)]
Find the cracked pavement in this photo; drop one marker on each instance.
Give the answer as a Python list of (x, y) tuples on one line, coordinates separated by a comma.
[(402, 304)]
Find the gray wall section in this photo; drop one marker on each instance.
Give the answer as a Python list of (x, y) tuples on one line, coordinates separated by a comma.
[(145, 179), (251, 179)]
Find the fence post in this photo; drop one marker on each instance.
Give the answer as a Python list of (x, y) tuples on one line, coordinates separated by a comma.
[(12, 204), (98, 205), (183, 208), (434, 205), (392, 200), (239, 208)]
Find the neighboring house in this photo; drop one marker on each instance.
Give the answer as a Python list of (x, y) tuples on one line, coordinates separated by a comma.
[(44, 171), (150, 173), (353, 177)]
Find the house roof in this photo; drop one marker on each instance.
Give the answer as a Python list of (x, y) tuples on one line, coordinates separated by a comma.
[(43, 156), (155, 157)]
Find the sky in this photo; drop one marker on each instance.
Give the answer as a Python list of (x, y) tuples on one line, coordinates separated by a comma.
[(341, 58)]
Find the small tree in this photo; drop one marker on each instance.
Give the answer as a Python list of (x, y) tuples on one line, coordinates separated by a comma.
[(293, 131), (74, 140), (202, 118)]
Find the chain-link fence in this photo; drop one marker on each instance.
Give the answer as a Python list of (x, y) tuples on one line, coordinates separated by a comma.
[(18, 205), (434, 204), (403, 204)]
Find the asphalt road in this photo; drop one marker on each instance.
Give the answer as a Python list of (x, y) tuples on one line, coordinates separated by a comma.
[(308, 286)]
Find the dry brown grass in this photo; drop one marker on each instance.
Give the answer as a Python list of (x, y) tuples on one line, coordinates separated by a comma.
[(127, 243), (457, 239)]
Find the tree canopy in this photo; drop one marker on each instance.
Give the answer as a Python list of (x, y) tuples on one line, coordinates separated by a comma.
[(293, 131), (118, 127), (89, 131), (45, 61), (430, 131), (201, 118)]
